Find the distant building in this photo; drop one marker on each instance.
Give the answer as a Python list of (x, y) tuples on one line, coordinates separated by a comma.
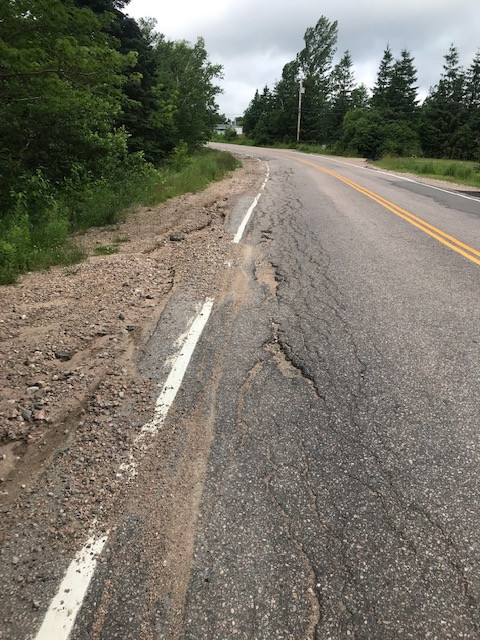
[(221, 128)]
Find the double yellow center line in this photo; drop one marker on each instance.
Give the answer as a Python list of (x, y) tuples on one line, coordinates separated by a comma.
[(449, 241)]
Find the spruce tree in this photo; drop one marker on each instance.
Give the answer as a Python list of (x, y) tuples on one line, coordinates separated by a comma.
[(342, 84), (472, 100), (384, 78), (401, 94), (444, 112)]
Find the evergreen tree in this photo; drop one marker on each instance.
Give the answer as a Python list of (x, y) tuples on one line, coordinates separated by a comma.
[(286, 102), (444, 112), (342, 84), (314, 63), (144, 114), (360, 97), (472, 88), (252, 114), (315, 59), (401, 100), (471, 130), (384, 78)]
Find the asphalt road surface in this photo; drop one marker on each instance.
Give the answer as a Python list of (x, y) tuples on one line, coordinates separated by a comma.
[(322, 481)]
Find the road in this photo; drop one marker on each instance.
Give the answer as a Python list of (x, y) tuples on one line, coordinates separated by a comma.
[(320, 479)]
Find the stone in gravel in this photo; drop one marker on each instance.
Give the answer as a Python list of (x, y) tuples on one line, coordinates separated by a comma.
[(39, 415), (63, 355), (121, 316), (177, 237), (27, 414)]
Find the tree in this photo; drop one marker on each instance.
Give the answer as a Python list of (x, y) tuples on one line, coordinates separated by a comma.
[(286, 102), (400, 95), (363, 133), (444, 112), (187, 75), (472, 88), (384, 78), (314, 63), (342, 84), (315, 59), (470, 131), (360, 97), (146, 111), (60, 93)]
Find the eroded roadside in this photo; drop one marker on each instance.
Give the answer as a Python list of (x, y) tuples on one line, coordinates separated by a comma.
[(72, 399)]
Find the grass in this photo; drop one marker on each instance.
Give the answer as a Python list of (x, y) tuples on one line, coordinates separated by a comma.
[(306, 147), (36, 235), (460, 171), (105, 250), (194, 173)]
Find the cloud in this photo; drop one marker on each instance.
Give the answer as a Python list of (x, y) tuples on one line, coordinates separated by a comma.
[(254, 40)]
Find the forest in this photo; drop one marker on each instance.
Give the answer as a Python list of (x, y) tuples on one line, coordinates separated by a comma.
[(92, 103), (387, 119)]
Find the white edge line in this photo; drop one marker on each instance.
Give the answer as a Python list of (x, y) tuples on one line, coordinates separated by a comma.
[(424, 184), (62, 612), (175, 377), (241, 228), (387, 173)]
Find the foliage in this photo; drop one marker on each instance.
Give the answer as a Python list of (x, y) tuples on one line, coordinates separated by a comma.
[(204, 166), (444, 113), (342, 115), (453, 170), (272, 115), (230, 134), (105, 250), (363, 133), (89, 99)]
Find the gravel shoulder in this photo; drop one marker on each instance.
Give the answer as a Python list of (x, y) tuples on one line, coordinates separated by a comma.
[(71, 396)]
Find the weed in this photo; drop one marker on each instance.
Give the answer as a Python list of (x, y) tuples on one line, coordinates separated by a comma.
[(105, 250)]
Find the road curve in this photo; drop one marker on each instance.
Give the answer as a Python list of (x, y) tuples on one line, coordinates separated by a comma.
[(342, 496), (321, 479)]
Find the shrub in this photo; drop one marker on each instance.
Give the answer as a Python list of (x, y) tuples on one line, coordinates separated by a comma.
[(230, 134)]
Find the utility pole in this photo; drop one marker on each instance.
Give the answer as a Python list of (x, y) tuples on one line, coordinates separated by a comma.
[(301, 91)]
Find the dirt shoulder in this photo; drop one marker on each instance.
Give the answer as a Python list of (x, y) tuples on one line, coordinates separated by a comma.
[(66, 332)]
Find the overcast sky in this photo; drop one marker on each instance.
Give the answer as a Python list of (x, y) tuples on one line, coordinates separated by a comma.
[(253, 39)]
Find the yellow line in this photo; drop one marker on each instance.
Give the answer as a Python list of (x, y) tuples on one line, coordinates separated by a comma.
[(449, 241)]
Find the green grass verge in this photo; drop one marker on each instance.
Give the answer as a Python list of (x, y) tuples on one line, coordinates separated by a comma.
[(193, 173), (37, 233), (460, 171)]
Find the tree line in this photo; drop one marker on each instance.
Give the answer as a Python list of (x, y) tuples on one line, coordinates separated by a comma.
[(91, 101), (348, 117)]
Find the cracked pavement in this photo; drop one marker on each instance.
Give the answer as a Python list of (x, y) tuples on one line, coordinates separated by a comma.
[(341, 497), (317, 477)]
